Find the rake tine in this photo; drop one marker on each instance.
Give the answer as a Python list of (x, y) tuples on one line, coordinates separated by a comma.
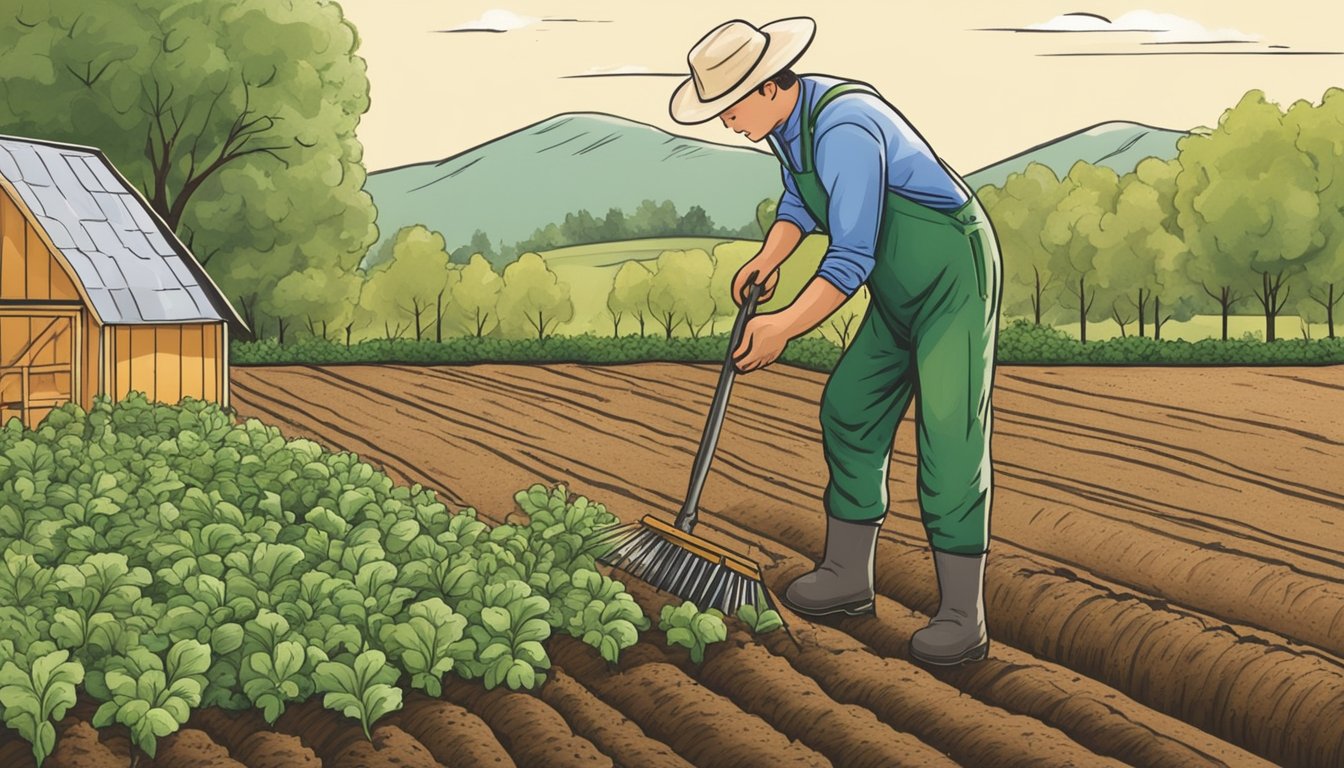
[(632, 550)]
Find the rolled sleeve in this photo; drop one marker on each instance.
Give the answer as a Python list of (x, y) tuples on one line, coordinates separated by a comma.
[(851, 164), (791, 208)]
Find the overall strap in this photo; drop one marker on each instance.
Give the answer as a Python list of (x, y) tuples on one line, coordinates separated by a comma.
[(810, 121)]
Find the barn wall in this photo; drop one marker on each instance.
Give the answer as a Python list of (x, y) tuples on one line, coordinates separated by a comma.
[(27, 268), (166, 362)]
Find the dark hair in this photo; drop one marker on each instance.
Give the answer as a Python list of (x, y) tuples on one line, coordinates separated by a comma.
[(783, 80)]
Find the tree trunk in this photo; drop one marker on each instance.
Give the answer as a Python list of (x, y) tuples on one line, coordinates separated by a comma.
[(1082, 312), (1157, 318), (1227, 310), (324, 331), (541, 326), (1330, 311), (1036, 299), (1143, 304), (438, 319), (281, 325), (347, 336), (641, 325), (616, 324)]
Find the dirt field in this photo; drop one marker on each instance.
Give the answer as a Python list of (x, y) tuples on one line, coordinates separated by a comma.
[(1165, 585)]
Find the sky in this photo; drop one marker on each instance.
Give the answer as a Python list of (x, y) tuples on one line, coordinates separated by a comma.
[(980, 80)]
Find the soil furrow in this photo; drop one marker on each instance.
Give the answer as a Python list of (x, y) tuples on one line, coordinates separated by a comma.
[(190, 748), (452, 735), (608, 729), (703, 727), (1091, 713), (251, 741), (1270, 427), (1227, 469), (1092, 630), (531, 730), (689, 438)]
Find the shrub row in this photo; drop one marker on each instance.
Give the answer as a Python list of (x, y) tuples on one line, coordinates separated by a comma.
[(1019, 342)]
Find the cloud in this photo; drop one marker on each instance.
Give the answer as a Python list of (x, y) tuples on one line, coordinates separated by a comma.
[(1165, 27), (499, 20)]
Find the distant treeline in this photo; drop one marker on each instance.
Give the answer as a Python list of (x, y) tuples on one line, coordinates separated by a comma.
[(650, 219)]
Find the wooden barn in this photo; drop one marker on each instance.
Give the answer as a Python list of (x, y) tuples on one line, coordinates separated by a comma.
[(97, 295)]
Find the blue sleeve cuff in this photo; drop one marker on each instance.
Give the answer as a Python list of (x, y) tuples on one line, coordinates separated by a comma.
[(846, 271)]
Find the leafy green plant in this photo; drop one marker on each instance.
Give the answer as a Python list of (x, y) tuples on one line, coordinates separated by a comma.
[(760, 621), (686, 625), (277, 664), (363, 689), (602, 614), (429, 643), (151, 697), (508, 636), (182, 560), (37, 694)]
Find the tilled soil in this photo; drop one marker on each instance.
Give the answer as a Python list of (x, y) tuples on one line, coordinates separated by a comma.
[(1165, 585)]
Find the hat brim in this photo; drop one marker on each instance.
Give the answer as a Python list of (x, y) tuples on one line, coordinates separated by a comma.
[(789, 38)]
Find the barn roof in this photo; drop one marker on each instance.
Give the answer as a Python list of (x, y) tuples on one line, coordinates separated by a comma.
[(133, 269)]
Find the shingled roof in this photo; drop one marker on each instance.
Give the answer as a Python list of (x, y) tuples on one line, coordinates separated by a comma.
[(132, 268)]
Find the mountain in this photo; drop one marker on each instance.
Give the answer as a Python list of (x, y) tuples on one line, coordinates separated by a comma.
[(513, 185), (1118, 145), (524, 180)]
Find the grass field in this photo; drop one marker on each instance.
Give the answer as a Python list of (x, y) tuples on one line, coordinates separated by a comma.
[(590, 270)]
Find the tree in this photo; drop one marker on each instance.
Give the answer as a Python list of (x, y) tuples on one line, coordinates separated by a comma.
[(236, 120), (1073, 233), (652, 219), (1319, 129), (533, 297), (320, 298), (1247, 191), (842, 322), (630, 294), (1128, 267), (695, 222), (413, 281), (766, 211), (721, 292), (475, 297), (614, 226), (679, 291), (1019, 211), (480, 245)]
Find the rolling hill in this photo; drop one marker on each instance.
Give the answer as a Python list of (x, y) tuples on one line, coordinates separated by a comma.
[(511, 186), (1117, 145)]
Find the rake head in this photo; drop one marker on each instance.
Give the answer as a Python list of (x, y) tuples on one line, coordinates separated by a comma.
[(685, 565)]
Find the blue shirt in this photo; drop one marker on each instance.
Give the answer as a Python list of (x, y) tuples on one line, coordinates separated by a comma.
[(863, 148)]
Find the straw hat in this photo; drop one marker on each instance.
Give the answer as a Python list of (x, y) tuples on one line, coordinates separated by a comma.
[(733, 59)]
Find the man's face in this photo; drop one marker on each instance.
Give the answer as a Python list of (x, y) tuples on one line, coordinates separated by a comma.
[(755, 115)]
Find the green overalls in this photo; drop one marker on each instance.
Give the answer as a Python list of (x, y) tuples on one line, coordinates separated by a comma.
[(929, 332)]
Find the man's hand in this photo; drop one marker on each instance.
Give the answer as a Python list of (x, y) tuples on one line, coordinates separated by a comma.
[(765, 335), (760, 267), (763, 341)]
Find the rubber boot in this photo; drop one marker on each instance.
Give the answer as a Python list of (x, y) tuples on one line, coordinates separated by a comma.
[(843, 582), (957, 633)]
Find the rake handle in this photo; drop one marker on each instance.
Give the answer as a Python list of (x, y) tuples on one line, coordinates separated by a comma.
[(689, 514)]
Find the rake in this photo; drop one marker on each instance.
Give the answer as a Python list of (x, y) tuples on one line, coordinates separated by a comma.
[(669, 556)]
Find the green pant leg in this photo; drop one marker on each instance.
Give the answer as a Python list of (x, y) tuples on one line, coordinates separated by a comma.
[(866, 396), (954, 365)]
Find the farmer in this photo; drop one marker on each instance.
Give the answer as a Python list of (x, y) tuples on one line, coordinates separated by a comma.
[(907, 226)]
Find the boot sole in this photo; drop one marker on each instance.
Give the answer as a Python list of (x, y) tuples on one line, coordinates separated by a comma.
[(862, 608), (978, 653)]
